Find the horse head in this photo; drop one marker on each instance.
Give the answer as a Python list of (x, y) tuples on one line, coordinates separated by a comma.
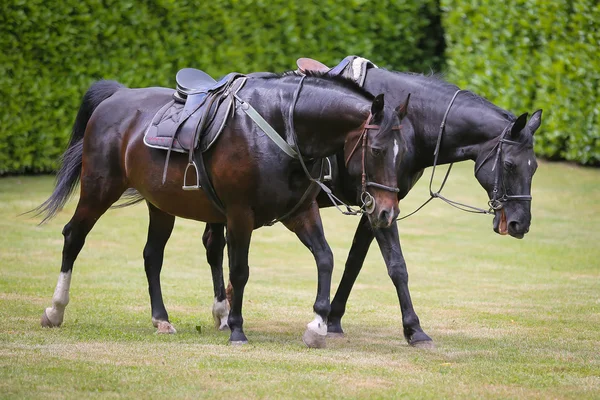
[(373, 155), (505, 169)]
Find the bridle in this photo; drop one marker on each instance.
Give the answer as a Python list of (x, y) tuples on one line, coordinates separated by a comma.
[(367, 200), (496, 202)]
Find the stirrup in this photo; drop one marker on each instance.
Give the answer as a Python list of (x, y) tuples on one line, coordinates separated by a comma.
[(328, 177), (191, 187)]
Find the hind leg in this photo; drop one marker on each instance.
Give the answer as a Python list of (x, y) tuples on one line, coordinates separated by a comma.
[(159, 231), (98, 193), (214, 242), (91, 206)]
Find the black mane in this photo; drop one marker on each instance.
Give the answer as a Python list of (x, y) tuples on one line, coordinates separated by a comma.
[(340, 80), (437, 81)]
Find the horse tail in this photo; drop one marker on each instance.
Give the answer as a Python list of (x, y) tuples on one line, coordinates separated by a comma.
[(69, 171)]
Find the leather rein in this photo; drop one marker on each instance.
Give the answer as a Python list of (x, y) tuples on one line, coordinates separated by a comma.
[(496, 203)]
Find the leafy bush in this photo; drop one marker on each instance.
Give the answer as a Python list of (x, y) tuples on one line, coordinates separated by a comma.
[(53, 50), (530, 54)]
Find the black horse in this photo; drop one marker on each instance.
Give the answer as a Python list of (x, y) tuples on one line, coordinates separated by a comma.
[(500, 144), (254, 179)]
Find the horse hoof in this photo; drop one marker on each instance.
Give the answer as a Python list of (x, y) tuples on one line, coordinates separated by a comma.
[(428, 344), (164, 327), (313, 340), (238, 342), (335, 335), (421, 341), (46, 323), (237, 338)]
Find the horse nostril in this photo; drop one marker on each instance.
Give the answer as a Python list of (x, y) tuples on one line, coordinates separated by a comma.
[(383, 215), (514, 226)]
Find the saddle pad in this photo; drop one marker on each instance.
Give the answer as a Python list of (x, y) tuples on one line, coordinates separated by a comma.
[(353, 67)]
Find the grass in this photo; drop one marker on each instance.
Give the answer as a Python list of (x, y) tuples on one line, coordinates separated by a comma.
[(511, 319)]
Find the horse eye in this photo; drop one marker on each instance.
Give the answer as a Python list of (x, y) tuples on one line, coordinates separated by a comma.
[(376, 152), (509, 166)]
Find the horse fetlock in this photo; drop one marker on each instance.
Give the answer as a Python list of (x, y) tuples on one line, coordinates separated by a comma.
[(220, 314)]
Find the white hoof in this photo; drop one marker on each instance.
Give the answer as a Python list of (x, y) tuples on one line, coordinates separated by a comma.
[(316, 333), (314, 340), (164, 327), (50, 318), (47, 322)]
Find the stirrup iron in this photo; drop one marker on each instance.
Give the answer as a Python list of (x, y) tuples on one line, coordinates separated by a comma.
[(328, 177), (191, 187)]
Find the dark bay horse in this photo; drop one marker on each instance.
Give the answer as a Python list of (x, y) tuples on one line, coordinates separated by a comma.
[(500, 144), (255, 181)]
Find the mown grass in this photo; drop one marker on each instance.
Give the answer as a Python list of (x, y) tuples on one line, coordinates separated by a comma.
[(511, 319)]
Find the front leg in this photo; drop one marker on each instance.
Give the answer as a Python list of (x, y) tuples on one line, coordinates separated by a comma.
[(356, 257), (308, 227), (389, 244)]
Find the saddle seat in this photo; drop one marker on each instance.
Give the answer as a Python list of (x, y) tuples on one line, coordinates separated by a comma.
[(192, 81)]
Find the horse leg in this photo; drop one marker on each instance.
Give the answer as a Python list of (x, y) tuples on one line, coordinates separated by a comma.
[(389, 244), (308, 227), (91, 206), (214, 242), (356, 257), (240, 223), (159, 230)]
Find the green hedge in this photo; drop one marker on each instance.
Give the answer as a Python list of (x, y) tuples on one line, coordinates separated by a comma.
[(51, 51), (530, 54)]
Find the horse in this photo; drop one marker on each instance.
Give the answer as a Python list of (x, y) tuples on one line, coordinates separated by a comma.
[(462, 126), (254, 180)]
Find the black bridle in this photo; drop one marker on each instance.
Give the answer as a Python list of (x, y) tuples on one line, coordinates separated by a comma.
[(496, 202)]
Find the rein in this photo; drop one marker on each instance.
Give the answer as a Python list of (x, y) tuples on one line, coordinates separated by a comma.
[(496, 203)]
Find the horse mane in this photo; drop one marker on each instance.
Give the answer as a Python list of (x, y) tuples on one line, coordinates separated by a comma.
[(337, 79), (437, 80)]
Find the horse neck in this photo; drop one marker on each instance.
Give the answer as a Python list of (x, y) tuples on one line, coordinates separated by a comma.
[(471, 122), (470, 126), (323, 126)]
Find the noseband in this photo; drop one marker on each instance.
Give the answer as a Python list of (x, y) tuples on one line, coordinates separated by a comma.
[(496, 203), (365, 197)]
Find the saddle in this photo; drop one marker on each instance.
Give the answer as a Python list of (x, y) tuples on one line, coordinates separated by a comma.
[(197, 114), (193, 120), (351, 67)]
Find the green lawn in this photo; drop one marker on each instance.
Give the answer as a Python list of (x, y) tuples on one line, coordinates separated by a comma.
[(510, 318)]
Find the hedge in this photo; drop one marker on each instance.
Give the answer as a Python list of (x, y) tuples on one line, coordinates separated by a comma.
[(52, 51), (530, 54)]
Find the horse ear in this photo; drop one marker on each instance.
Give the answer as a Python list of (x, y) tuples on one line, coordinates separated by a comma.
[(535, 121), (402, 109), (519, 124), (377, 105)]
